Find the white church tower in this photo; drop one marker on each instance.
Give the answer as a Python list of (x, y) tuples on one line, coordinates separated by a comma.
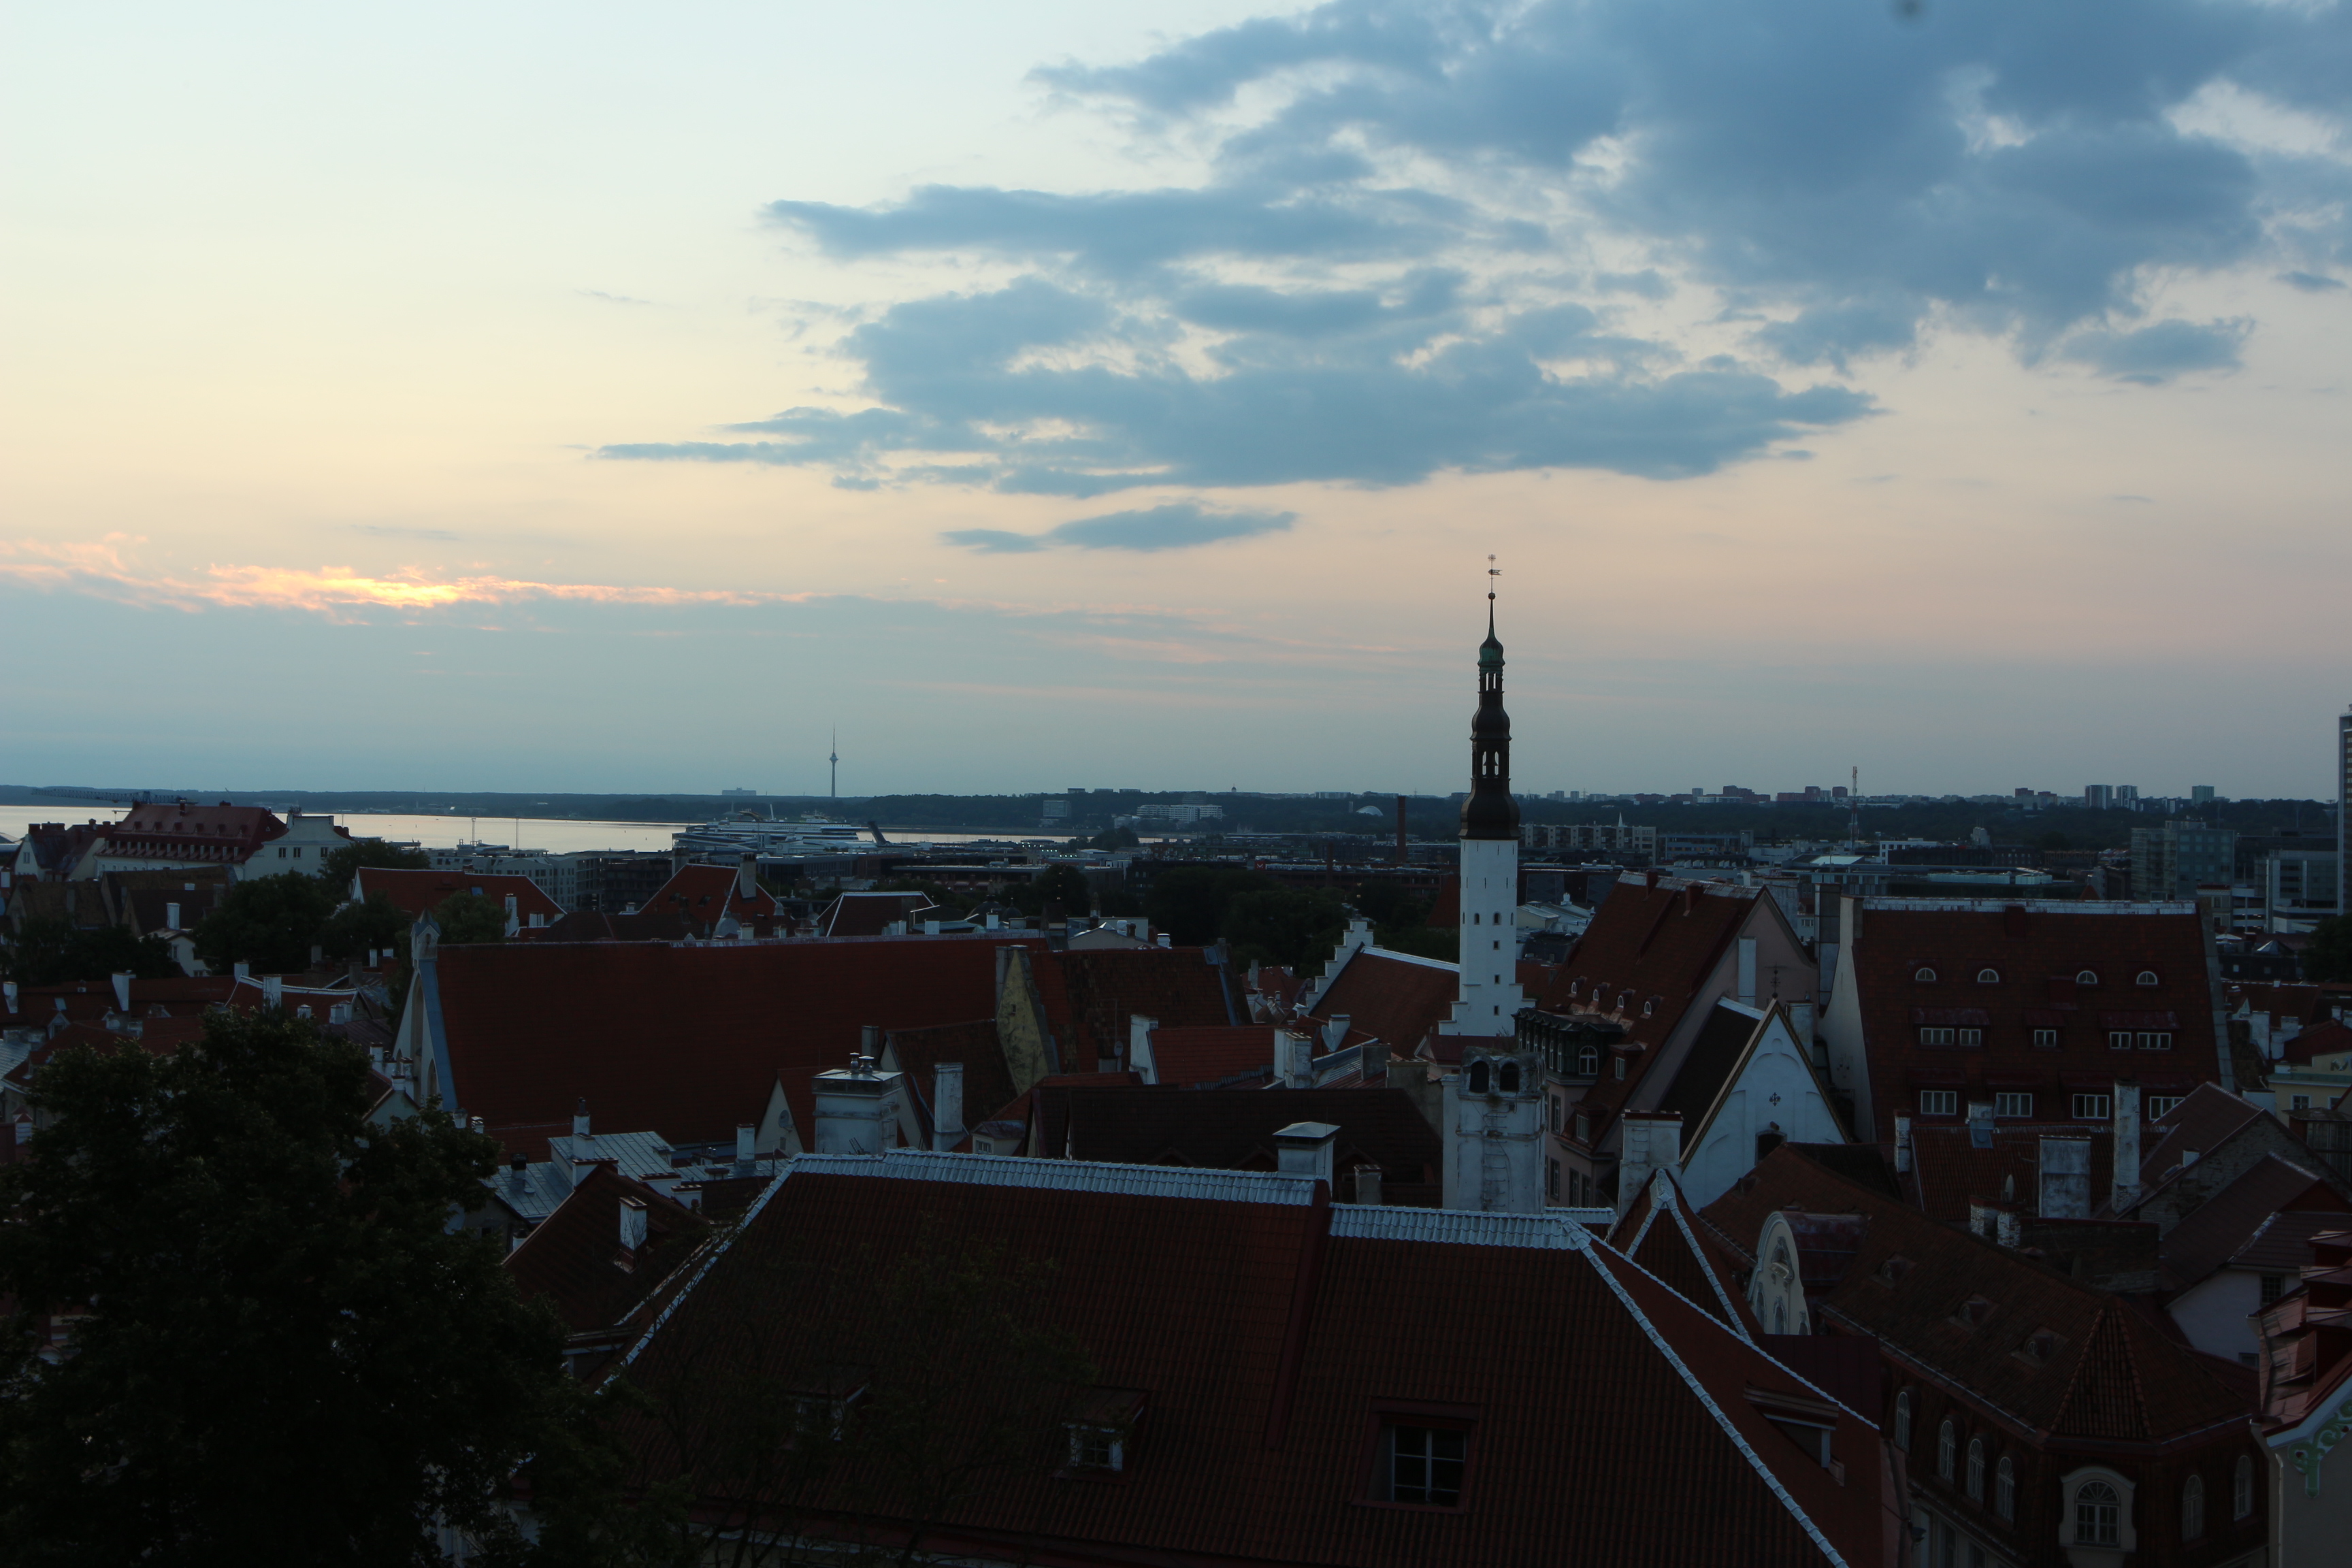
[(1487, 1000)]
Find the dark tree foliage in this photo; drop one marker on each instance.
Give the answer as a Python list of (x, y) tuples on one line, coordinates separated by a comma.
[(471, 917), (1113, 839), (373, 923), (270, 922), (2329, 955), (1284, 926), (49, 952), (1061, 886), (282, 1353), (1190, 901), (343, 861)]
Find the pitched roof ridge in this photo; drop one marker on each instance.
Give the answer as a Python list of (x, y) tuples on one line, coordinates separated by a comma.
[(1462, 1227), (1376, 952), (709, 1262), (1065, 1176), (1698, 1390), (1730, 1312)]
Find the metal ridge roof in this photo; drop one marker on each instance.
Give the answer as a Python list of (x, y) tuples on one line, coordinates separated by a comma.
[(1064, 1175), (1462, 1228)]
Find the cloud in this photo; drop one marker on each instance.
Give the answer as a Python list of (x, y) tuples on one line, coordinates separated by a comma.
[(396, 531), (1180, 525), (1425, 229), (611, 299), (2310, 282), (2156, 353)]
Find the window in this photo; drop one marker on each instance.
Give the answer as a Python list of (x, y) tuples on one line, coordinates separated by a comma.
[(2145, 977), (2299, 1102), (2119, 1039), (2005, 1488), (1976, 1470), (1971, 1036), (2098, 1515), (1587, 1062), (2046, 1039), (1936, 1037), (2274, 1287), (1423, 1465), (2016, 1106), (2192, 1508), (1584, 1128), (1551, 1110), (2094, 1107), (1509, 1077), (2159, 1105), (1924, 977), (2155, 1039), (1552, 1180), (1478, 1078), (2242, 1488), (1621, 1066), (2087, 977), (1097, 1448), (1903, 1420), (1649, 1007), (1988, 976), (1948, 1448), (1939, 1102)]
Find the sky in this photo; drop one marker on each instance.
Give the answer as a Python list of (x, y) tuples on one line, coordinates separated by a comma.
[(601, 397)]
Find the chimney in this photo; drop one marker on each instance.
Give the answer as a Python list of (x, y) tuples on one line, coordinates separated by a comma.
[(947, 1106), (518, 1173), (242, 969), (580, 1119), (1166, 939), (993, 922), (745, 1151), (869, 1042), (633, 1224), (1980, 1221), (1368, 1185), (1980, 1124), (170, 917), (122, 990), (1294, 1057), (2065, 1167), (2126, 1181), (1902, 1145), (1747, 971), (1304, 1149), (273, 991), (747, 875), (931, 928), (474, 1124), (1335, 1032), (856, 1109), (1652, 1141), (2005, 1225), (8, 994)]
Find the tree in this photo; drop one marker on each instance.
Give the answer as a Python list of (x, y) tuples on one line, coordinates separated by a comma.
[(345, 860), (1060, 884), (1189, 901), (2329, 955), (1113, 839), (280, 1350), (373, 923), (270, 922), (470, 917), (50, 952), (1283, 925)]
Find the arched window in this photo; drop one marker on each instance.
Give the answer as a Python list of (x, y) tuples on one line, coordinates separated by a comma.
[(1587, 1062), (2088, 977), (2145, 977), (2192, 1508), (1478, 1078), (2098, 1515), (1780, 1316), (1988, 976), (1976, 1470), (1649, 1007), (1947, 1448), (1903, 1420), (1924, 976), (2005, 1488), (2242, 1488), (1510, 1078)]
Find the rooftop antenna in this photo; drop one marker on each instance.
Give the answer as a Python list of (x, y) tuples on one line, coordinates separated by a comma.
[(834, 792), (1853, 811)]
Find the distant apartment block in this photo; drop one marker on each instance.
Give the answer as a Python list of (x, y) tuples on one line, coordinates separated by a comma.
[(1591, 838), (2176, 860)]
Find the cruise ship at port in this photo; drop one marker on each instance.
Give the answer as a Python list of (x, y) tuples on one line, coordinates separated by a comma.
[(741, 831)]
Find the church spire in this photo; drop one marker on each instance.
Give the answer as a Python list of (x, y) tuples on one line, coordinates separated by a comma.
[(1490, 812)]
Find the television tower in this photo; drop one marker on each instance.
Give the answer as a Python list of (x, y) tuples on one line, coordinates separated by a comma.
[(833, 791), (1853, 811)]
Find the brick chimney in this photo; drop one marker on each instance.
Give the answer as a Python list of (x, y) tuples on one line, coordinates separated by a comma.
[(1902, 1145), (747, 875), (1652, 1141), (745, 1152), (1304, 1149), (633, 1224), (1293, 1058), (947, 1106), (2127, 1149), (580, 1119)]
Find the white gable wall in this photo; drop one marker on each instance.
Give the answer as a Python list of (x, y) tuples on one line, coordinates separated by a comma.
[(1774, 1091)]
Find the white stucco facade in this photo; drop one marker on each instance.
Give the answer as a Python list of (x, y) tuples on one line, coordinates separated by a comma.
[(1488, 999), (1774, 1093)]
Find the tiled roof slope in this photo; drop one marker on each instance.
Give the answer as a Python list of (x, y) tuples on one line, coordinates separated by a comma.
[(2112, 1374), (1265, 1339), (2326, 1038), (1392, 996), (2230, 1221), (2309, 1368), (417, 892), (867, 914), (1658, 1232), (704, 894), (1948, 1169), (1176, 986), (574, 1257), (2203, 1121), (1200, 1057), (688, 1041), (2036, 952), (1233, 1129), (1721, 1042), (590, 925), (917, 1053)]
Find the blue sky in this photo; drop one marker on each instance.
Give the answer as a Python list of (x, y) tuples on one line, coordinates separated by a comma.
[(573, 398)]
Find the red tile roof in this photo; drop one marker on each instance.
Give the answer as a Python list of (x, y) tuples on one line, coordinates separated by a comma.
[(918, 1053), (688, 1041), (2034, 954), (703, 895), (1233, 1129), (419, 892), (868, 914), (1107, 987), (1948, 1169), (1266, 1336), (2326, 1038), (2233, 1221), (574, 1258), (1201, 1057), (1392, 996)]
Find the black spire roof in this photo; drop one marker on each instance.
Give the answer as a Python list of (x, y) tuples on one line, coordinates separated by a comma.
[(1490, 812)]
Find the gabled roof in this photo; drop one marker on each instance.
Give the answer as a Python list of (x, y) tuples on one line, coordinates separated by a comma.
[(690, 1041), (2110, 1372), (1233, 1129), (1657, 1232), (917, 1053), (866, 914), (417, 893), (575, 1260), (1947, 1168), (2210, 1117), (590, 925), (1393, 996), (2237, 1224), (1205, 1057), (1177, 987), (704, 894), (1266, 1335), (2326, 1038)]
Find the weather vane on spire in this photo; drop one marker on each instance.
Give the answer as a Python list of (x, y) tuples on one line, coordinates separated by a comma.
[(1493, 571)]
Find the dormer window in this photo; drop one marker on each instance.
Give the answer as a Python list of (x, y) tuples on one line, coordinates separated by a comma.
[(2087, 977), (822, 1404), (2145, 977), (1988, 976), (1587, 1062), (1924, 976), (1424, 1461), (1102, 1431), (1649, 1007)]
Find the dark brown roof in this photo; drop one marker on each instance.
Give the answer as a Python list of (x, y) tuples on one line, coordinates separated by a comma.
[(1233, 1129), (1200, 1057), (917, 1053), (704, 894), (1393, 997), (1722, 1041), (1175, 986), (2225, 1229), (1948, 1169), (417, 892), (575, 1260), (2325, 1039)]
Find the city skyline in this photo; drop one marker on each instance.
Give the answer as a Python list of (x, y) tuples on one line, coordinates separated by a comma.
[(1052, 386)]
